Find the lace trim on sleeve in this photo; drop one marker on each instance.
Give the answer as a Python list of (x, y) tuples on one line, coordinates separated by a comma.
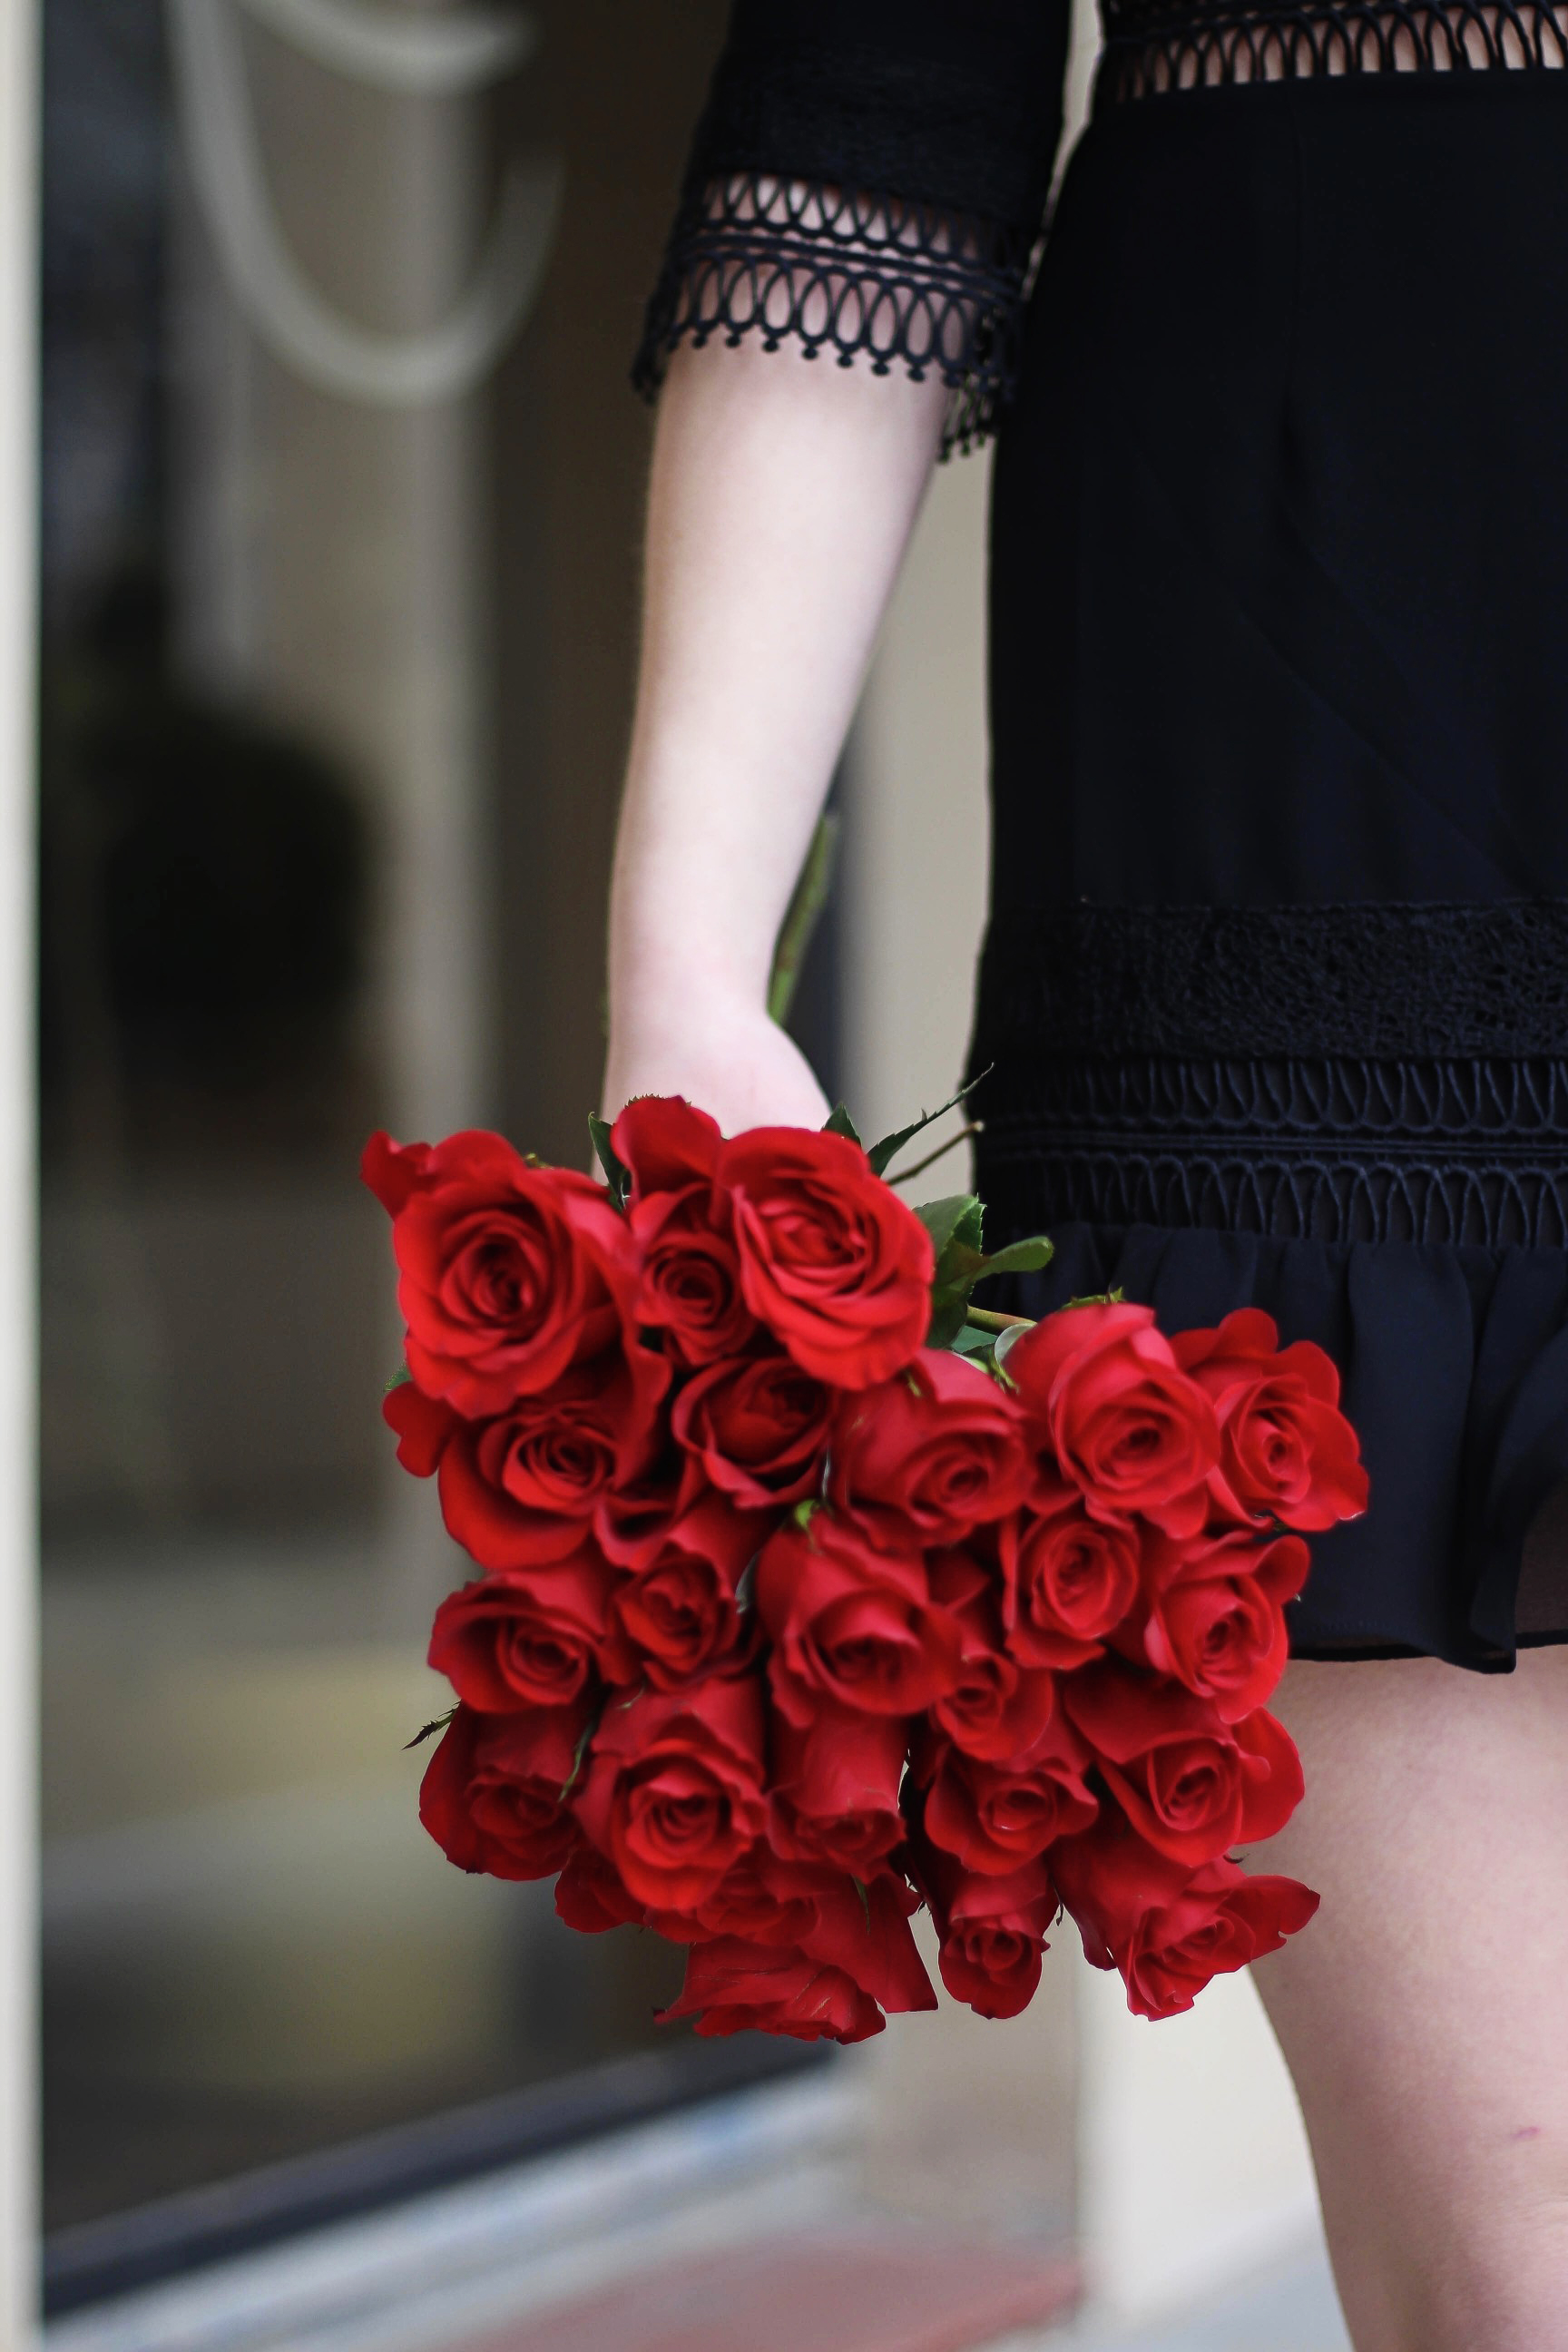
[(895, 283)]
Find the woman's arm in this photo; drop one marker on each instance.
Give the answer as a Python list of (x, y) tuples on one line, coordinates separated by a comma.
[(781, 498)]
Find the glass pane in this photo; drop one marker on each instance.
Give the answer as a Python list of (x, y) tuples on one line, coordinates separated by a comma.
[(339, 495)]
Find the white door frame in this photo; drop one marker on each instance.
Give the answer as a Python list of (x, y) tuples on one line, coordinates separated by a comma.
[(19, 113)]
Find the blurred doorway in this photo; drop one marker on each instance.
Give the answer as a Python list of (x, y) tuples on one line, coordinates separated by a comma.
[(338, 493)]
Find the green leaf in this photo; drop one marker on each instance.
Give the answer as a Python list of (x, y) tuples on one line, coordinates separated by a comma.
[(838, 1122), (861, 1890), (1099, 1298), (430, 1731), (746, 1587), (946, 1319), (890, 1146), (971, 1342), (397, 1380), (1022, 1258), (617, 1175), (959, 1217)]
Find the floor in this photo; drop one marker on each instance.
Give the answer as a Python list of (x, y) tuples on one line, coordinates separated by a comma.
[(866, 2295)]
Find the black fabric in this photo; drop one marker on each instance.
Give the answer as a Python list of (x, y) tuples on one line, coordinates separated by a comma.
[(869, 179), (1276, 996)]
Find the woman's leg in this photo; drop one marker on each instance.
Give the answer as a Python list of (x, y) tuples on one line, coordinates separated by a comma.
[(1424, 2013)]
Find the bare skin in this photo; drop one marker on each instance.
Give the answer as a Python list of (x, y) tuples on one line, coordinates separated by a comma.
[(1424, 2013)]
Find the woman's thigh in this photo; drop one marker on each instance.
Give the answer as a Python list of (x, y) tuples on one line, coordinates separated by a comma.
[(1423, 2013)]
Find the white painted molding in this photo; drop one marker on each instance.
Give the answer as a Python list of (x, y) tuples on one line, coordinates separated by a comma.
[(1193, 2162), (18, 1559)]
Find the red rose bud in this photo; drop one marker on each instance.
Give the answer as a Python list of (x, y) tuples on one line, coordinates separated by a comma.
[(1287, 1451), (851, 1626), (492, 1796), (423, 1427), (832, 1261), (925, 1458), (864, 1929), (1190, 1784), (1068, 1577), (1108, 1404), (1216, 1618), (665, 1145), (734, 1987), (590, 1898), (510, 1274), (678, 1613), (1222, 1921), (1167, 1929), (997, 1709), (761, 1898), (528, 1485), (836, 1789), (992, 1932), (672, 1794), (995, 1817), (529, 1639), (690, 1286), (757, 1430)]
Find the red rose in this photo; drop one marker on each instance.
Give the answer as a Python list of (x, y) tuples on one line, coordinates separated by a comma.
[(850, 1626), (510, 1273), (422, 1427), (836, 1789), (924, 1458), (1217, 1616), (665, 1145), (998, 1708), (992, 1931), (527, 1486), (1223, 1920), (589, 1896), (690, 1286), (673, 1790), (831, 1260), (492, 1796), (762, 1898), (1191, 1784), (758, 1429), (1109, 1403), (679, 1611), (520, 1641), (1168, 1930), (1287, 1451), (633, 1520), (858, 1959), (1069, 1578), (734, 1987), (996, 1817)]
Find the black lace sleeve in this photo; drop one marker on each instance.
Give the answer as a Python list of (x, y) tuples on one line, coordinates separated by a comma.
[(869, 180)]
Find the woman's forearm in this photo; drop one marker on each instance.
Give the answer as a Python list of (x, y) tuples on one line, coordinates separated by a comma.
[(782, 497)]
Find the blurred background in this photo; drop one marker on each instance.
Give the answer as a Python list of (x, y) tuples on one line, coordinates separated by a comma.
[(338, 490)]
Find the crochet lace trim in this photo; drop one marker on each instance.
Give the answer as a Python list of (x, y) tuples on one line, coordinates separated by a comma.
[(1453, 1152), (1337, 1073), (1384, 980), (1153, 45), (899, 285)]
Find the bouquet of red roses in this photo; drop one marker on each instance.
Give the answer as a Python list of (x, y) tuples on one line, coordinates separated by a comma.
[(810, 1593)]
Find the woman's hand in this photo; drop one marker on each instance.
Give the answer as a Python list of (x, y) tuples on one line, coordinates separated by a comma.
[(725, 1056)]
